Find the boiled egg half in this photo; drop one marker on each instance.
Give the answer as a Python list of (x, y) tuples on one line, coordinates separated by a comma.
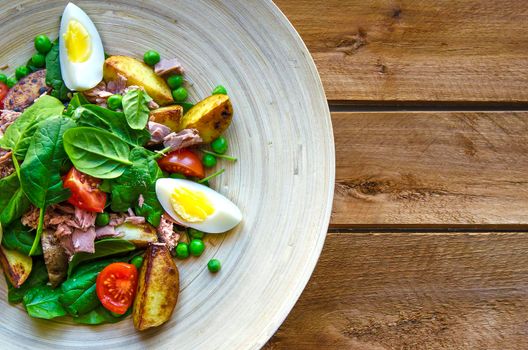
[(81, 51), (197, 206)]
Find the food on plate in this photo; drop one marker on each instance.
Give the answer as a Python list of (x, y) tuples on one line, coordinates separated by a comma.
[(80, 50), (16, 265), (105, 170), (211, 117), (26, 91), (197, 206), (169, 116), (158, 287), (138, 73)]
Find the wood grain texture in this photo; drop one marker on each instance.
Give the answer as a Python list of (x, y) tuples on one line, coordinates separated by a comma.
[(425, 169), (279, 182), (413, 291), (416, 51)]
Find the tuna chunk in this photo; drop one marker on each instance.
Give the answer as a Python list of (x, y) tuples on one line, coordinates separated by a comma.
[(166, 233), (168, 66), (183, 139)]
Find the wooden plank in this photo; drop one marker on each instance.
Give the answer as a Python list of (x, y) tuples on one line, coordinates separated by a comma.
[(414, 291), (417, 51), (431, 169)]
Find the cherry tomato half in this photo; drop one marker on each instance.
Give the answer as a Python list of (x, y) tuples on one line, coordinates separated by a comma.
[(85, 191), (3, 92), (116, 286), (184, 162)]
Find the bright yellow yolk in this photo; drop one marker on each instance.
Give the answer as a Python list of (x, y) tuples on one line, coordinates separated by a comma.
[(191, 206), (77, 42)]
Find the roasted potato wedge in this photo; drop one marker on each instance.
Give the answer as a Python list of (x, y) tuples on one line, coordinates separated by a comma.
[(27, 90), (169, 116), (211, 117), (17, 266), (140, 235), (138, 73), (55, 258), (158, 288)]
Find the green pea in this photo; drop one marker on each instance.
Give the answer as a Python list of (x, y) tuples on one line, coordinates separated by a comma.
[(209, 160), (11, 82), (137, 261), (151, 57), (42, 44), (182, 250), (3, 78), (196, 247), (177, 176), (175, 81), (180, 94), (115, 102), (21, 72), (38, 60), (194, 233), (214, 265), (102, 219), (219, 145), (219, 90)]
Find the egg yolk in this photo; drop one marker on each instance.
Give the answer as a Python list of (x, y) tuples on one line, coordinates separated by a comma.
[(77, 42), (191, 206)]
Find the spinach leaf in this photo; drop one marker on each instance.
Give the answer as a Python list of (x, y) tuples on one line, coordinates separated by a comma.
[(103, 248), (20, 238), (100, 315), (40, 171), (135, 107), (115, 122), (18, 135), (78, 291), (151, 209), (43, 302), (54, 75), (13, 201), (136, 180), (97, 152), (37, 277), (77, 101)]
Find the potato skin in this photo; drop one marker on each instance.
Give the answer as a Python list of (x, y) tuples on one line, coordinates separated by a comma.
[(211, 117), (169, 116), (140, 235), (158, 288), (138, 73), (16, 265), (26, 91)]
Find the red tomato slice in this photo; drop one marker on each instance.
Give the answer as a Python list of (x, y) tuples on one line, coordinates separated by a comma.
[(85, 191), (3, 92), (183, 161), (116, 286)]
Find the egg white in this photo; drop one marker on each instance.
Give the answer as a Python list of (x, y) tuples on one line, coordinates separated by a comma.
[(84, 75), (226, 214)]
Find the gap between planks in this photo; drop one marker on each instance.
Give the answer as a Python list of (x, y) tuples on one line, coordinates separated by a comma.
[(381, 106), (390, 229)]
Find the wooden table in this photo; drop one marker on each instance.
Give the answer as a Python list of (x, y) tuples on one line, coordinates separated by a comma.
[(427, 245)]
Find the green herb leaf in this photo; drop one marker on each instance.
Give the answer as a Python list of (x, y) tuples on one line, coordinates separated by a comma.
[(96, 152), (78, 291), (77, 101), (100, 315), (103, 248), (135, 107), (19, 237), (135, 180), (151, 209), (43, 302), (40, 171), (53, 74), (115, 122), (18, 135), (37, 277), (13, 201)]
